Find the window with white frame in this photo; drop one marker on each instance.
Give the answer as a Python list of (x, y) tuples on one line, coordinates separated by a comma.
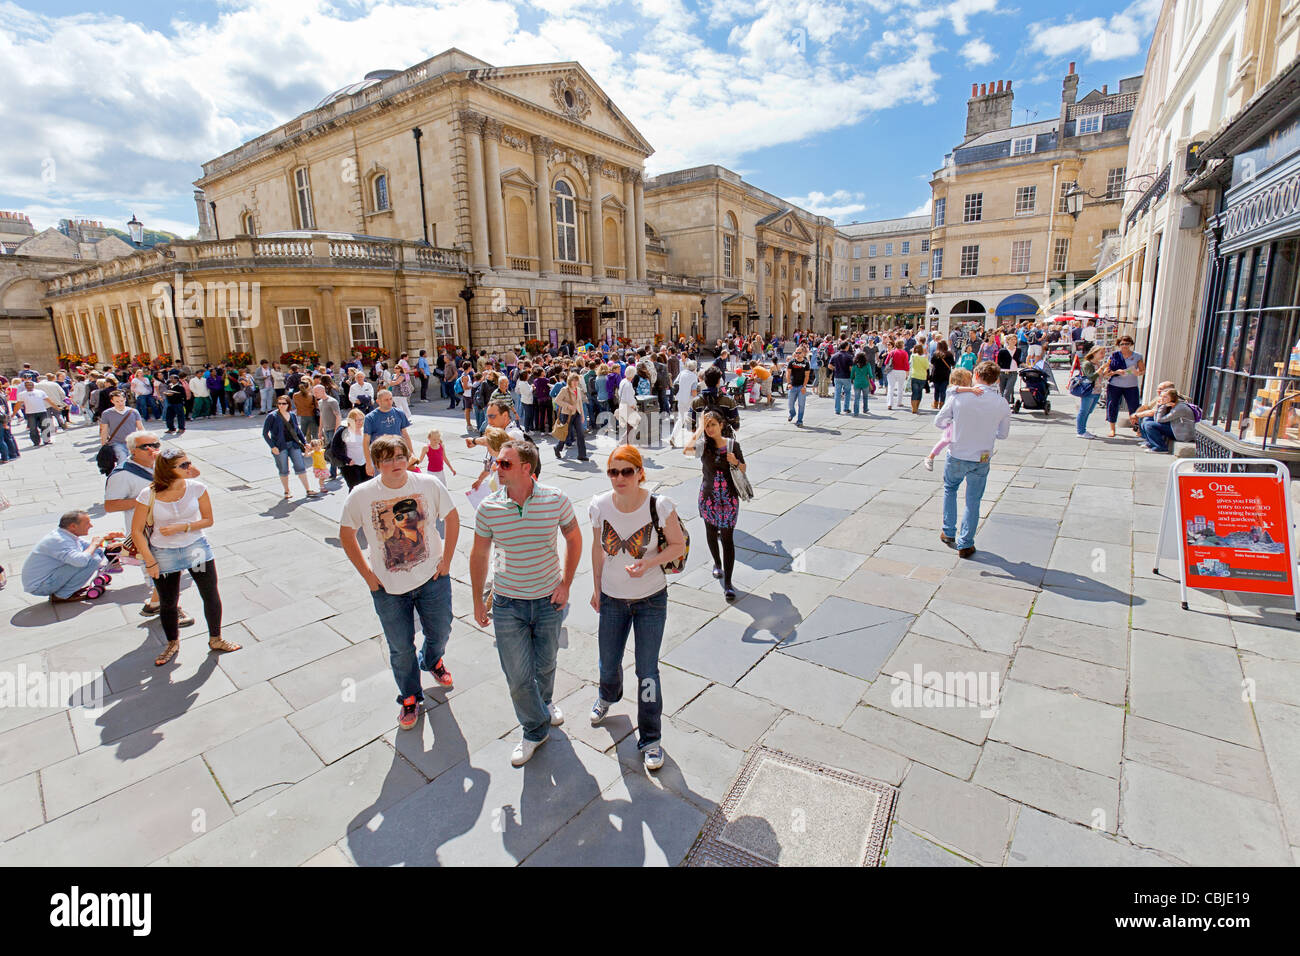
[(1062, 205), (302, 186), (1115, 182), (240, 330), (889, 270), (940, 208), (906, 248), (695, 320), (889, 248), (970, 261), (531, 325), (1060, 253), (888, 293), (871, 293), (1020, 251), (903, 270), (379, 192), (620, 323), (1026, 199), (871, 251), (727, 241), (1022, 145), (363, 326), (676, 323), (925, 269), (444, 326), (925, 245), (973, 208), (295, 330), (936, 262), (871, 273), (1088, 124), (856, 293), (857, 273), (566, 223), (857, 252)]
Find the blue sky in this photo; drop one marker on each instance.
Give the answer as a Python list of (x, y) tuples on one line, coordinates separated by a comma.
[(845, 107)]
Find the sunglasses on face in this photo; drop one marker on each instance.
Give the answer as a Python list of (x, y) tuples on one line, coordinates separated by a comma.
[(149, 444), (621, 472), (505, 465), (185, 464)]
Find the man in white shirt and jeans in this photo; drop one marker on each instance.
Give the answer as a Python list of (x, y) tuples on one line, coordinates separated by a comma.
[(978, 420)]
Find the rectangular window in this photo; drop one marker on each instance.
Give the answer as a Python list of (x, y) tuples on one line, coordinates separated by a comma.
[(1022, 145), (726, 256), (363, 326), (871, 273), (856, 293), (1088, 124), (1115, 182), (444, 327), (531, 330), (903, 271), (925, 269), (295, 330), (857, 273), (925, 245), (970, 260), (1020, 256), (620, 323), (889, 270), (940, 206), (887, 292), (906, 249), (973, 208), (1062, 206), (1026, 199), (871, 251), (241, 332), (889, 248), (302, 184), (1107, 233), (1060, 254), (871, 293), (936, 264), (381, 192), (857, 252)]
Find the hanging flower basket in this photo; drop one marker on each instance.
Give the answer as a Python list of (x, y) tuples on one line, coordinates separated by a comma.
[(162, 359), (69, 359), (300, 357), (534, 346), (142, 358), (370, 354), (239, 359), (121, 359)]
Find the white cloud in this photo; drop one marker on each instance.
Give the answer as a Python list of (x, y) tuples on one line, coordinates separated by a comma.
[(976, 52), (838, 205), (1119, 36), (958, 12), (921, 210)]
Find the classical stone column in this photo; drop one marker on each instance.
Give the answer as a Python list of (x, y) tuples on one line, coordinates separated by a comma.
[(807, 285), (471, 125), (496, 209), (542, 173), (596, 229), (761, 252), (630, 227), (638, 185)]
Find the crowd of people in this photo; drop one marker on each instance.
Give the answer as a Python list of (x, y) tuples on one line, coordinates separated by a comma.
[(400, 525)]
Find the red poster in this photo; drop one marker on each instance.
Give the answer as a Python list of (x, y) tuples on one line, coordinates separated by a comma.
[(1235, 535)]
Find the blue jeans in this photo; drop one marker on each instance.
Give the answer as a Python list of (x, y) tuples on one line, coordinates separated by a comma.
[(646, 618), (1157, 434), (576, 433), (292, 453), (268, 399), (249, 398), (175, 414), (843, 389), (480, 418), (798, 393), (528, 635), (8, 446), (1086, 404), (860, 396), (66, 580), (976, 475), (432, 602)]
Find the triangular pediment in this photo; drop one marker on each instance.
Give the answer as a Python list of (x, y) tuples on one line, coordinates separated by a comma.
[(514, 176), (778, 221), (568, 91)]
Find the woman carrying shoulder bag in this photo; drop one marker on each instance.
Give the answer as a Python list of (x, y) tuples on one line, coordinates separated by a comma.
[(719, 501), (167, 527), (287, 442)]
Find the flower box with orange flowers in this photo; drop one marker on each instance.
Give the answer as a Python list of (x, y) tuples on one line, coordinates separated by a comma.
[(121, 358), (370, 354)]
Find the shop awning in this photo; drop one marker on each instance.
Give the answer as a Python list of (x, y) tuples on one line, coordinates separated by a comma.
[(1056, 305), (1018, 304)]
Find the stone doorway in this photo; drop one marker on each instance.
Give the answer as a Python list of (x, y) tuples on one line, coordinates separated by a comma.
[(584, 325)]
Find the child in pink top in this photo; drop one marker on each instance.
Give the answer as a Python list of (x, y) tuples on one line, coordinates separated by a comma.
[(436, 458), (958, 381)]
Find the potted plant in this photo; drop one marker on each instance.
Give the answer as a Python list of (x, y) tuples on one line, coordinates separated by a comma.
[(162, 360), (121, 359), (142, 359), (304, 357), (534, 346), (239, 359)]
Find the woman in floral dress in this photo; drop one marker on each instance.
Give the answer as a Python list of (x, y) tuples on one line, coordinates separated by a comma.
[(718, 503)]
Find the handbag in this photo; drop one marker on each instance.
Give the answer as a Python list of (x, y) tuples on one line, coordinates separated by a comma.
[(744, 490), (677, 565), (561, 430), (128, 543), (106, 458), (1078, 386)]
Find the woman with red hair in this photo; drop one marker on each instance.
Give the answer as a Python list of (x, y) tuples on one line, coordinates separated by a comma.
[(628, 523)]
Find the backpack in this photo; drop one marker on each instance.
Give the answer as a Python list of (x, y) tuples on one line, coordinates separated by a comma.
[(483, 393), (1197, 414), (730, 416), (458, 389)]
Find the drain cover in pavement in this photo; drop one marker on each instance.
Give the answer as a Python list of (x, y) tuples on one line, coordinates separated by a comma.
[(789, 811)]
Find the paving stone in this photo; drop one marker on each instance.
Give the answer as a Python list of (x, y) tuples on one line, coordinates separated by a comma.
[(1167, 617), (292, 616), (986, 595), (255, 766), (1044, 840), (810, 689), (356, 624), (919, 656), (857, 653), (280, 653), (20, 806), (836, 563), (633, 823), (908, 849), (1279, 728), (1197, 823), (1103, 607), (971, 820), (1050, 785), (35, 745), (799, 736), (724, 649), (729, 714), (929, 624), (698, 767), (902, 594), (298, 823), (326, 676), (988, 630), (1088, 642), (1190, 684), (951, 714), (1077, 731), (1239, 769), (82, 779), (331, 856), (133, 827), (1068, 674)]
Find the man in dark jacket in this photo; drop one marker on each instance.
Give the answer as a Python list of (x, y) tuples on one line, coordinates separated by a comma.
[(842, 367)]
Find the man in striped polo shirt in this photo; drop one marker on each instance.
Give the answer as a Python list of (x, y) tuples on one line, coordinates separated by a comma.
[(529, 591)]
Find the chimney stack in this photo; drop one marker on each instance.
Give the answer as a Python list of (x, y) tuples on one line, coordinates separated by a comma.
[(1071, 67), (1069, 93), (1104, 89), (974, 90), (989, 107)]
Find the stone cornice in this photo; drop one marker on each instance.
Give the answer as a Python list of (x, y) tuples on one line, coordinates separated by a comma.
[(471, 121)]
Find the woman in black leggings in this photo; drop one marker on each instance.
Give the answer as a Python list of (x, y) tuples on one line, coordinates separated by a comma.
[(719, 503), (177, 508)]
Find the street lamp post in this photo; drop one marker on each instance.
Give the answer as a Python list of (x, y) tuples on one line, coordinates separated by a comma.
[(136, 228)]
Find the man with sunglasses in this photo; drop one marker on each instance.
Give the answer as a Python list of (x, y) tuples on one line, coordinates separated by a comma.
[(121, 490), (530, 590)]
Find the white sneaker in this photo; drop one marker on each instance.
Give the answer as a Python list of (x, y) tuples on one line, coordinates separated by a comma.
[(598, 711), (929, 464), (1085, 435), (557, 715), (524, 751), (653, 757)]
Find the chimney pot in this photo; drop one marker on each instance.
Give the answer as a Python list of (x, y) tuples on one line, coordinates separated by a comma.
[(1071, 67), (1103, 89), (974, 89), (983, 88), (999, 86), (1008, 86)]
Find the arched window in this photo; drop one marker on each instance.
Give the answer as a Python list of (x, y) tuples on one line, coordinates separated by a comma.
[(566, 223), (302, 189), (729, 246), (379, 192), (246, 224)]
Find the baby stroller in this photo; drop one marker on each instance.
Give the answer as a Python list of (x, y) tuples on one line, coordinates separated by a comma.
[(1033, 391)]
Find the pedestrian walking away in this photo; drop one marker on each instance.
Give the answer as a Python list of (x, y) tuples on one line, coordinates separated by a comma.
[(978, 421), (408, 565)]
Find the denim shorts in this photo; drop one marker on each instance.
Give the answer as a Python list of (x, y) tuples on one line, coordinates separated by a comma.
[(292, 453), (193, 555)]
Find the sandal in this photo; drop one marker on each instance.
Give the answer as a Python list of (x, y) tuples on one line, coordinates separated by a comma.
[(170, 651), (217, 644)]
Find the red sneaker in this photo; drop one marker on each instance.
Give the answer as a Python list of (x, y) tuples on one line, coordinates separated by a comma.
[(441, 673), (410, 713)]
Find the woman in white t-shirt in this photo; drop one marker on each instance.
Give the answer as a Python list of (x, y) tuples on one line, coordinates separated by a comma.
[(627, 404), (181, 510), (631, 591)]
